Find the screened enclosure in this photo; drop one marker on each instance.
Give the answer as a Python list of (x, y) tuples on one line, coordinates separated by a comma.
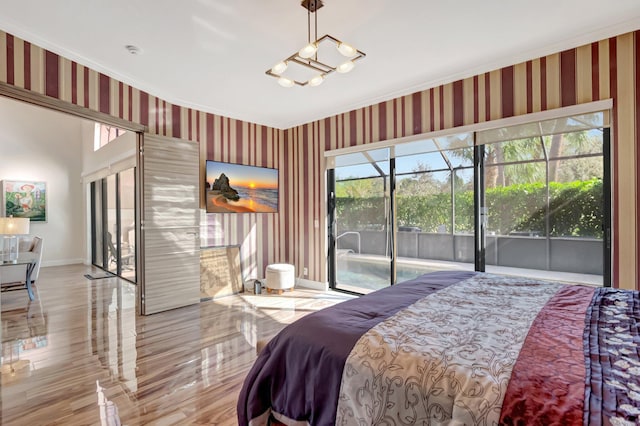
[(530, 199)]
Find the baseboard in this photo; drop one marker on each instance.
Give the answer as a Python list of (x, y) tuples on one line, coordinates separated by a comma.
[(314, 285), (61, 262)]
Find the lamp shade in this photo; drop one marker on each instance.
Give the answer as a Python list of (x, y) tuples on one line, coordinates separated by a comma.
[(279, 68), (14, 226), (286, 82), (308, 51), (317, 80), (345, 67), (346, 49)]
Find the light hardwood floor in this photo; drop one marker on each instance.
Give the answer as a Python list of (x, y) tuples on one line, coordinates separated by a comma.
[(183, 367)]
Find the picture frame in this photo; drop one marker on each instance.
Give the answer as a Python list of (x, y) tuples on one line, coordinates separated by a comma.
[(220, 271), (24, 198), (240, 188)]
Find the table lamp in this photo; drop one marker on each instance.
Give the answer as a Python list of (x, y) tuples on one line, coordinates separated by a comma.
[(10, 228)]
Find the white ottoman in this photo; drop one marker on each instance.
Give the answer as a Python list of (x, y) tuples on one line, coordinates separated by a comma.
[(280, 277)]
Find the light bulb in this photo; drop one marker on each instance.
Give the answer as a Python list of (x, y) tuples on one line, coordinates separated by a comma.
[(285, 82), (346, 50), (279, 68), (308, 51), (345, 67), (317, 80)]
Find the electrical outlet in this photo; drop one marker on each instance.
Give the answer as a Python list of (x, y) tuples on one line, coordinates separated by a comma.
[(305, 271)]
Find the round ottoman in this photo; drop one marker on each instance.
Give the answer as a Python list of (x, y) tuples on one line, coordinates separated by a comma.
[(280, 277)]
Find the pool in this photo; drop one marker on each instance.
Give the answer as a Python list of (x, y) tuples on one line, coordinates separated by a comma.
[(372, 273), (366, 273)]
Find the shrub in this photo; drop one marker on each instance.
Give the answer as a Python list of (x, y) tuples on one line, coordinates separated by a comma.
[(575, 209)]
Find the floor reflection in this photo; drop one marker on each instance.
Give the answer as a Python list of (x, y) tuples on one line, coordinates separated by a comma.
[(113, 325), (184, 366), (108, 410), (24, 340)]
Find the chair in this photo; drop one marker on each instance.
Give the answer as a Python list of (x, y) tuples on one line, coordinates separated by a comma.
[(17, 274), (113, 253)]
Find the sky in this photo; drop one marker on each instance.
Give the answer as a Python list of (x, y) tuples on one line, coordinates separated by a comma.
[(242, 175)]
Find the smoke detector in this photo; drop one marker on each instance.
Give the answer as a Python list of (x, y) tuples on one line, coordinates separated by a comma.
[(134, 50)]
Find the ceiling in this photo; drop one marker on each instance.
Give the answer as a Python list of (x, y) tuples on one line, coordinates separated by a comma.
[(212, 54)]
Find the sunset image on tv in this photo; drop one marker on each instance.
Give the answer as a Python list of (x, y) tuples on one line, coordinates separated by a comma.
[(236, 188)]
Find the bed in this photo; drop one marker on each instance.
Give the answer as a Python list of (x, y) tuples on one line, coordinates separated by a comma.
[(457, 348)]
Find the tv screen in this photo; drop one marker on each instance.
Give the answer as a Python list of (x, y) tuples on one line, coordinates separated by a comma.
[(237, 188)]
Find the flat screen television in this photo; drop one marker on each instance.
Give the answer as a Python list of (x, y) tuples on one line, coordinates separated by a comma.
[(238, 188)]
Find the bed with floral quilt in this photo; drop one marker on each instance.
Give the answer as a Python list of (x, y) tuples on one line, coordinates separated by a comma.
[(455, 348)]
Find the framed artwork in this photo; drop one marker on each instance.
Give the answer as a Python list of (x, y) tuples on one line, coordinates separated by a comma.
[(22, 198), (220, 272)]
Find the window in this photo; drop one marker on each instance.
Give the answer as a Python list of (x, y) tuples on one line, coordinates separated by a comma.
[(104, 134), (113, 224), (530, 199)]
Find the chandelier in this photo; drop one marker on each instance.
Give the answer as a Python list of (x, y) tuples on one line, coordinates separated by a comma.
[(305, 67)]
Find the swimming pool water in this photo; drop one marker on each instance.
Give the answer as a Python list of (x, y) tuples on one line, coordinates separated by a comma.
[(374, 276)]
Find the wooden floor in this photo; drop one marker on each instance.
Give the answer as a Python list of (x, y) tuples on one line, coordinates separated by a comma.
[(184, 366)]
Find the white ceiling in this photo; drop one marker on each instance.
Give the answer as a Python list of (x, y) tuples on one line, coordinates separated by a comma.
[(212, 54)]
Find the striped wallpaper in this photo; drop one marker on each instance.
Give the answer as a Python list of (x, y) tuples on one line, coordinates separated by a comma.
[(297, 234), (602, 70), (262, 237)]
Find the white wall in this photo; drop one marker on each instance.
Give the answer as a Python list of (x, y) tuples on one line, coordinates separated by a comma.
[(43, 145), (114, 157), (107, 159)]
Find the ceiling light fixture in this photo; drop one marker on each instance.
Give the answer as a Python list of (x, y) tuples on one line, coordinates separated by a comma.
[(307, 57)]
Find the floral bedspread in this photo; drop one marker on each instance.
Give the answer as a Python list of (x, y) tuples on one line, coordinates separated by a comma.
[(447, 357), (472, 349)]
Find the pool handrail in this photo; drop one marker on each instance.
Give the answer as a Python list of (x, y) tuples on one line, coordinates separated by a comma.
[(350, 232)]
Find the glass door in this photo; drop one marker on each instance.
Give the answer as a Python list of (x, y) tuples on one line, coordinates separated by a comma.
[(434, 205), (529, 200), (111, 231), (127, 207), (362, 223), (546, 202), (97, 254), (113, 215)]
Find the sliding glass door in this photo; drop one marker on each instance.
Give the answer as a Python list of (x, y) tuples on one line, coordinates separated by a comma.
[(546, 201), (530, 200), (434, 205), (111, 231), (363, 237), (113, 224), (97, 253), (127, 215)]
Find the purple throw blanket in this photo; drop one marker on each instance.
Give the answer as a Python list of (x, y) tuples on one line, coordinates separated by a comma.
[(314, 350)]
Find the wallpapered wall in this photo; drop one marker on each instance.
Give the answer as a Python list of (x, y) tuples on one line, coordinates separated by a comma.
[(262, 236), (606, 69)]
